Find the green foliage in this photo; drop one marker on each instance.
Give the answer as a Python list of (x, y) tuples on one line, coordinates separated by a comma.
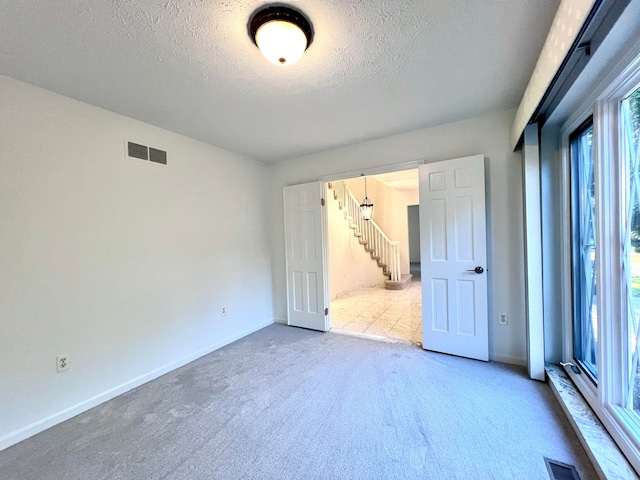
[(634, 104), (634, 109)]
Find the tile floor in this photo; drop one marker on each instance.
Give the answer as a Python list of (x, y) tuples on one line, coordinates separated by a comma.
[(376, 311)]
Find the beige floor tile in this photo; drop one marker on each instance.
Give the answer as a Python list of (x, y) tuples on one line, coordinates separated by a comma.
[(376, 311), (366, 319), (386, 322), (402, 326), (401, 334), (355, 327), (339, 322), (376, 329), (409, 323)]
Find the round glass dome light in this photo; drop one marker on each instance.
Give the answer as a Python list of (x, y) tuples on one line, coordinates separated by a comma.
[(281, 42), (281, 33)]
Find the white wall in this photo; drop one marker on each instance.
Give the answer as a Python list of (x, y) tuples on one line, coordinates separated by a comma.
[(487, 134), (350, 266), (121, 264)]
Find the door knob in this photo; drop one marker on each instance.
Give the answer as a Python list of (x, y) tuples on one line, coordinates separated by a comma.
[(478, 270)]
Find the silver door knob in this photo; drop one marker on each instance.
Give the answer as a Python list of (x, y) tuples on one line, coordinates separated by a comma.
[(478, 270)]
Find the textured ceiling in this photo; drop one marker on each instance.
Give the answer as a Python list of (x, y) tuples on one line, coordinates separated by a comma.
[(375, 68), (406, 180)]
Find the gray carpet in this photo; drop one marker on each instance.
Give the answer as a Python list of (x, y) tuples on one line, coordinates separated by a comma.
[(287, 403)]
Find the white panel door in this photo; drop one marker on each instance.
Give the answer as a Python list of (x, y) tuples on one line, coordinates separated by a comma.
[(304, 235), (453, 257)]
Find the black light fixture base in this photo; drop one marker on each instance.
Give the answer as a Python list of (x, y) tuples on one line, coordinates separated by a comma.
[(272, 12)]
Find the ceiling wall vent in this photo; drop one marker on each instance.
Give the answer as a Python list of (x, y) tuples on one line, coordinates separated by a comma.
[(561, 471), (142, 152)]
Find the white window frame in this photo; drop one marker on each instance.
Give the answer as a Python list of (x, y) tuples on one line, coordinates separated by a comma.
[(606, 398)]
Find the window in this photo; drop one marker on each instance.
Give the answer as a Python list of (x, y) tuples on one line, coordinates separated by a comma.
[(630, 156), (601, 252), (583, 249)]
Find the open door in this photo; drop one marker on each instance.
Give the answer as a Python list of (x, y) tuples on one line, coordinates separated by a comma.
[(304, 225), (454, 257)]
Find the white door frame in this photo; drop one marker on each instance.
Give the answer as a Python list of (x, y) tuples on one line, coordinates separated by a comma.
[(368, 172)]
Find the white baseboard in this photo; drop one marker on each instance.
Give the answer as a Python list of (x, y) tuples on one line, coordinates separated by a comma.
[(48, 422), (496, 357)]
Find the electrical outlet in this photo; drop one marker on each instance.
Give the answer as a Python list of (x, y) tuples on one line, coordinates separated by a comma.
[(223, 311), (503, 319), (62, 363)]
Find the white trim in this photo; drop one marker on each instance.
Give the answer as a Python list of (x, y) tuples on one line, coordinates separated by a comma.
[(392, 167), (395, 167), (533, 252), (565, 253), (324, 186), (624, 428), (38, 426)]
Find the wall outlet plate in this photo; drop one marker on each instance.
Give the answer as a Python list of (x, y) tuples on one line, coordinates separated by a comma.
[(62, 363), (503, 319), (223, 311)]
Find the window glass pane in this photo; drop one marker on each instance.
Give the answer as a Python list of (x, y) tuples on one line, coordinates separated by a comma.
[(630, 125), (585, 315)]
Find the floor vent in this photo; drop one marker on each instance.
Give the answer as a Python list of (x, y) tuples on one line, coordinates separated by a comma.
[(135, 150), (561, 471)]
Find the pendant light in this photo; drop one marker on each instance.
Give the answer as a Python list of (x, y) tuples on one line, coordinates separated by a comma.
[(281, 33), (366, 206)]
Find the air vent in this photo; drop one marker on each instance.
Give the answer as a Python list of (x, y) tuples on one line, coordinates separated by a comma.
[(142, 152), (158, 156), (561, 471), (136, 150)]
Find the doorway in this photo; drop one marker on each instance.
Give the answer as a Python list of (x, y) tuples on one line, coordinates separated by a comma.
[(453, 256), (360, 303), (413, 216)]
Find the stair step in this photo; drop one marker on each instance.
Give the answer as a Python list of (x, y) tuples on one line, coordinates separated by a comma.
[(357, 234), (369, 250), (363, 242), (403, 283), (353, 225)]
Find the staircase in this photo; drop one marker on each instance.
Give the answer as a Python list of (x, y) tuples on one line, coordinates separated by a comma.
[(369, 234)]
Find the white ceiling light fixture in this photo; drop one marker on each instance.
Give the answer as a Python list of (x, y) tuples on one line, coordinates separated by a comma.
[(281, 33)]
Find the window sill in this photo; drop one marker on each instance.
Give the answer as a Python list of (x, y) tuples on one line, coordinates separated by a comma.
[(605, 455)]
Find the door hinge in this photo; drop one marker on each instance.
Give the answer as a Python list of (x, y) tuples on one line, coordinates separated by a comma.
[(322, 202), (326, 311)]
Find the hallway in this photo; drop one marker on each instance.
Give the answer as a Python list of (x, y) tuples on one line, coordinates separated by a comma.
[(376, 311)]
